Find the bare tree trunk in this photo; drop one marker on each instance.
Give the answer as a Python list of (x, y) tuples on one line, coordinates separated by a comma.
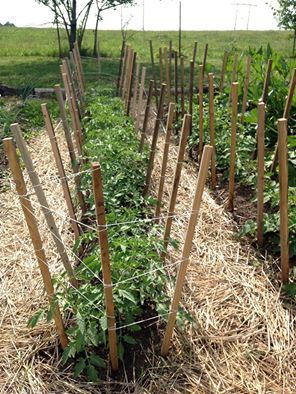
[(73, 24)]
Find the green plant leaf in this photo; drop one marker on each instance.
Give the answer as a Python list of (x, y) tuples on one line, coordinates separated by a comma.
[(129, 339), (92, 374), (39, 315), (97, 361), (79, 367)]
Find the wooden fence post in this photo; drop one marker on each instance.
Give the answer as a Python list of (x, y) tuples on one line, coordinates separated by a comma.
[(74, 164), (202, 175), (43, 202), (223, 71), (105, 260), (212, 130), (154, 139), (246, 87), (177, 176), (169, 126), (200, 111), (284, 220), (31, 221), (61, 170), (234, 100), (146, 116), (260, 168)]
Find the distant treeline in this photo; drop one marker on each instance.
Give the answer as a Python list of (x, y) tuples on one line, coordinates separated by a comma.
[(7, 24)]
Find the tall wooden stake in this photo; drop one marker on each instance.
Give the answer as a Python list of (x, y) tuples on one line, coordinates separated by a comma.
[(43, 202), (176, 80), (135, 90), (202, 175), (105, 259), (223, 71), (120, 67), (160, 66), (169, 126), (130, 83), (234, 74), (266, 82), (191, 79), (173, 197), (60, 168), (123, 69), (141, 93), (284, 220), (28, 211), (79, 63), (167, 73), (154, 139), (246, 87), (153, 71), (194, 52), (260, 166), (204, 62), (200, 110), (182, 83), (212, 130), (234, 100), (146, 116)]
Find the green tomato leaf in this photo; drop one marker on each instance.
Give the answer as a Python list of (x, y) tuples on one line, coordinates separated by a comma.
[(79, 367)]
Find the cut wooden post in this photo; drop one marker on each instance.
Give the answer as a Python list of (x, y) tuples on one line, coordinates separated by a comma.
[(127, 73), (194, 52), (130, 85), (169, 126), (284, 220), (120, 67), (74, 74), (43, 202), (146, 116), (122, 76), (266, 82), (135, 90), (182, 83), (79, 64), (204, 62), (246, 87), (212, 130), (167, 74), (141, 94), (77, 103), (61, 170), (105, 260), (234, 100), (160, 67), (173, 197), (260, 167), (202, 176), (72, 154), (191, 79), (28, 211), (153, 71), (200, 110), (286, 114), (223, 71), (154, 139)]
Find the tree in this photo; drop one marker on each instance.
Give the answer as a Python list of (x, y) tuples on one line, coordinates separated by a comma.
[(285, 12)]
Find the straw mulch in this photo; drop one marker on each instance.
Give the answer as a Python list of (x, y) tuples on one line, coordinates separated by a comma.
[(242, 342)]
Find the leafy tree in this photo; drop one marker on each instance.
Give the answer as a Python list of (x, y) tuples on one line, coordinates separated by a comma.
[(285, 12)]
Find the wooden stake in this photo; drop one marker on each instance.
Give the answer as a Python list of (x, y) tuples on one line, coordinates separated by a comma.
[(74, 164), (141, 94), (167, 73), (169, 127), (160, 66), (78, 79), (194, 52), (204, 62), (212, 130), (191, 79), (127, 73), (28, 211), (286, 113), (170, 60), (43, 202), (284, 220), (135, 90), (200, 110), (61, 170), (146, 116), (173, 197), (260, 166), (176, 78), (182, 81), (234, 74), (223, 71), (79, 63), (266, 82), (202, 175), (105, 259), (154, 139), (120, 68), (234, 100), (122, 76), (130, 85), (78, 103), (153, 71), (246, 87)]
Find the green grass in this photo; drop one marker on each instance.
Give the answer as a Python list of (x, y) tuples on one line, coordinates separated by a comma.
[(29, 56)]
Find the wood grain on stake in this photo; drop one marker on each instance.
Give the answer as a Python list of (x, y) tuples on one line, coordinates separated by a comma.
[(200, 110), (61, 170), (154, 139), (169, 126), (260, 167), (106, 270), (43, 202), (223, 71), (127, 72), (234, 100), (72, 154), (246, 87), (284, 220), (212, 130), (28, 211), (146, 116), (177, 176), (202, 176)]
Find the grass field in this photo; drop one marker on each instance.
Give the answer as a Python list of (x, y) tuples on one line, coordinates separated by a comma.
[(29, 56)]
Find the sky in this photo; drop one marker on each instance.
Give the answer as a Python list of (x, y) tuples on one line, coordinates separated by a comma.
[(159, 15)]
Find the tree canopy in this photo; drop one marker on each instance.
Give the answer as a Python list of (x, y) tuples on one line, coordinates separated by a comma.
[(285, 12)]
